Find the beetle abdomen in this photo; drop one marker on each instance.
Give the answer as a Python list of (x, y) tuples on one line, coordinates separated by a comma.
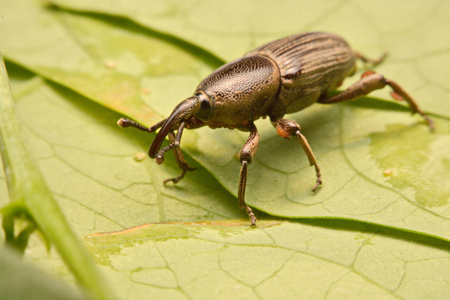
[(310, 65)]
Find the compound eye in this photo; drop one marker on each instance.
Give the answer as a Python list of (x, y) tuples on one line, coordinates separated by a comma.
[(205, 104), (205, 110)]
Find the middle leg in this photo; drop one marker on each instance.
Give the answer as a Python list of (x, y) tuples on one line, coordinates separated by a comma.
[(287, 128), (245, 157)]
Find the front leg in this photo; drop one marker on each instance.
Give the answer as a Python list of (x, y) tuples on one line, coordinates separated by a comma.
[(182, 164), (245, 157), (371, 81), (174, 144)]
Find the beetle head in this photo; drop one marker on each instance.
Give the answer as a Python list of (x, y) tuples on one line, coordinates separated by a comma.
[(198, 106)]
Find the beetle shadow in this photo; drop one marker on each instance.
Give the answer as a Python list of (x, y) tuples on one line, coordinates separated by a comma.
[(367, 228), (318, 126), (108, 118), (378, 104)]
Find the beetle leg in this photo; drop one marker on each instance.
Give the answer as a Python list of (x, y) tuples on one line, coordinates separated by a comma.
[(369, 82), (245, 156), (371, 61), (287, 128), (175, 145), (182, 164)]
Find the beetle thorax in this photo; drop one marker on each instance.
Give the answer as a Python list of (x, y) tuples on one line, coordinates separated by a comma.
[(241, 91)]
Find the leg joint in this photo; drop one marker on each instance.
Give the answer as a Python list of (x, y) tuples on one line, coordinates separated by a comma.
[(245, 156), (286, 128)]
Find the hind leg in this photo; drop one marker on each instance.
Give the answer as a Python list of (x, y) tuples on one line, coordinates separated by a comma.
[(371, 81)]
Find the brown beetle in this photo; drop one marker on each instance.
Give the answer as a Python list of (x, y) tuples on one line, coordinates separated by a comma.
[(281, 77)]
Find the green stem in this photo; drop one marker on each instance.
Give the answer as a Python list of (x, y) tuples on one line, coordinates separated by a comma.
[(27, 188)]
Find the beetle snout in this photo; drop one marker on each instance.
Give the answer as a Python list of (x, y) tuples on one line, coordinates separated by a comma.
[(182, 112)]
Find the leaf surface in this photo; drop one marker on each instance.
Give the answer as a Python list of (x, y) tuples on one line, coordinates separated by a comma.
[(350, 141), (141, 59), (228, 260)]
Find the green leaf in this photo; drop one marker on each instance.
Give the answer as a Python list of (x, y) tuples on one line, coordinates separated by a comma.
[(373, 30), (100, 159), (143, 67), (348, 152), (229, 260), (89, 165), (118, 67), (413, 34), (353, 156)]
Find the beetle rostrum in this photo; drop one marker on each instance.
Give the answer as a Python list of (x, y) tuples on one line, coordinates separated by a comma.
[(278, 78)]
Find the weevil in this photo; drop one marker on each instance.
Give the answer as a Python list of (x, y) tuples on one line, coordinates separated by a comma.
[(278, 78)]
